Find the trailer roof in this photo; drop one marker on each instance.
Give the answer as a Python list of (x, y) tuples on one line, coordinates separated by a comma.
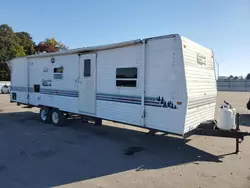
[(100, 47)]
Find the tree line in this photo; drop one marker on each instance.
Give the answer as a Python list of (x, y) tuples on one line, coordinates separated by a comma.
[(231, 77), (19, 44)]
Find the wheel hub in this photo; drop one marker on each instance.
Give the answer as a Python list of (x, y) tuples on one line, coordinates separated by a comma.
[(43, 115), (55, 117)]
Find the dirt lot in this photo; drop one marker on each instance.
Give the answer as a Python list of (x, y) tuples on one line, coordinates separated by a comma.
[(33, 154)]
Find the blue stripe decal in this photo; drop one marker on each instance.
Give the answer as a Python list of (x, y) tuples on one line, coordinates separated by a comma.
[(149, 101), (116, 95), (130, 102), (65, 93), (132, 99), (31, 89), (117, 98), (58, 93), (18, 88), (120, 101)]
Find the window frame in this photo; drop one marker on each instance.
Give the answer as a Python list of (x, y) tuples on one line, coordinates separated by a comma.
[(127, 79), (60, 74), (59, 68), (89, 75)]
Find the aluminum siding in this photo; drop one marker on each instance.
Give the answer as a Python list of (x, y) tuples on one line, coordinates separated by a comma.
[(200, 83), (164, 78)]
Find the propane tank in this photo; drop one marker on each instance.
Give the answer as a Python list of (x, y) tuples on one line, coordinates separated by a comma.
[(227, 116)]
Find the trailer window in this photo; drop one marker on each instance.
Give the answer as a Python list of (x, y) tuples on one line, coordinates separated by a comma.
[(126, 77), (126, 72), (87, 67), (58, 73), (126, 83), (58, 70)]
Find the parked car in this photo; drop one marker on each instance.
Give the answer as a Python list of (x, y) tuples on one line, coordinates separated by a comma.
[(5, 89), (248, 105)]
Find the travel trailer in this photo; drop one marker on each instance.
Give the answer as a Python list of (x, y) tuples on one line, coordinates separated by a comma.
[(164, 83)]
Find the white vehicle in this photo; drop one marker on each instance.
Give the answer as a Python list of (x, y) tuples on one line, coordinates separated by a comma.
[(164, 83), (5, 89)]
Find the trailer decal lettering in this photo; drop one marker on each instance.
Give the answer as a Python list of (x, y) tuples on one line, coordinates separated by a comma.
[(46, 82), (45, 69), (201, 59)]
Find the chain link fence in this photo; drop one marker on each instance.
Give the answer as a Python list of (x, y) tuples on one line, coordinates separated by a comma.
[(233, 85)]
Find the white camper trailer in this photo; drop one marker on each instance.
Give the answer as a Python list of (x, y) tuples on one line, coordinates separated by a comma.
[(165, 83)]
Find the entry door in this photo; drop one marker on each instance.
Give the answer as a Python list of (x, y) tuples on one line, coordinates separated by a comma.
[(87, 84)]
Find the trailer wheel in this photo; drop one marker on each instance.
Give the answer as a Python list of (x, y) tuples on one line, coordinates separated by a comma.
[(58, 118), (45, 114)]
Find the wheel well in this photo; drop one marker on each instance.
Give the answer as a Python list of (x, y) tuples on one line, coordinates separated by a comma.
[(51, 108), (43, 106)]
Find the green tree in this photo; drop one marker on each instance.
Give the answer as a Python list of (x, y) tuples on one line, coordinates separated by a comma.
[(25, 40), (21, 44), (248, 76), (18, 51), (50, 45), (10, 44), (10, 47)]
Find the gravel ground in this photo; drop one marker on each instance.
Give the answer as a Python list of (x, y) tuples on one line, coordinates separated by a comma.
[(33, 154)]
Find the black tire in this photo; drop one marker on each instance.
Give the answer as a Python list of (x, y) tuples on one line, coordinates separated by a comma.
[(2, 91), (248, 105), (58, 118), (45, 114)]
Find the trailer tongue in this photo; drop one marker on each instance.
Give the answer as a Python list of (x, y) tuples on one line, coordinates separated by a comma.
[(210, 128)]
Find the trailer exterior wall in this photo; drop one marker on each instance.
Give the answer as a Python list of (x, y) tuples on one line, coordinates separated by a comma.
[(114, 102), (201, 83), (164, 78), (174, 86), (63, 93), (19, 76)]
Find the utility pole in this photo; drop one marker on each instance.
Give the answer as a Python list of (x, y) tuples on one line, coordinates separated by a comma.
[(218, 69)]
